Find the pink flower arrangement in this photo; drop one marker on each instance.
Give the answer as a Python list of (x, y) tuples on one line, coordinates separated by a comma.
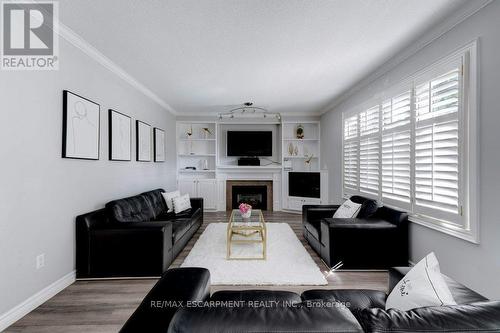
[(244, 208)]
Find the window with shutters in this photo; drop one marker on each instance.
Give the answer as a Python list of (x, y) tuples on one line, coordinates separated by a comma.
[(414, 149)]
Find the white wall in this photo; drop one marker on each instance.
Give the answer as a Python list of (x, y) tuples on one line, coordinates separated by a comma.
[(477, 266), (40, 192)]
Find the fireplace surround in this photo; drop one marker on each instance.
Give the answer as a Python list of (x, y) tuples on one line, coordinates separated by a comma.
[(258, 193)]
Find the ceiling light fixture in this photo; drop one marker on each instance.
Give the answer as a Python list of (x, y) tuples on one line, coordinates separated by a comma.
[(248, 110)]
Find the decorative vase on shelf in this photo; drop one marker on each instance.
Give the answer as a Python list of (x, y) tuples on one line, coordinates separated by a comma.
[(290, 149), (245, 210), (308, 162), (299, 131), (206, 133)]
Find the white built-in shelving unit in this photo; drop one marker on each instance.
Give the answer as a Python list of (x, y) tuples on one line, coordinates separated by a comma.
[(196, 160), (203, 165), (301, 154)]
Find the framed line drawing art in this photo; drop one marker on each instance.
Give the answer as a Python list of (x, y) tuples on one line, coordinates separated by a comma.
[(143, 141), (81, 127), (159, 144), (120, 136)]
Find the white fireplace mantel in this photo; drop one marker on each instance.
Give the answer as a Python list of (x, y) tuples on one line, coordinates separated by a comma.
[(232, 172)]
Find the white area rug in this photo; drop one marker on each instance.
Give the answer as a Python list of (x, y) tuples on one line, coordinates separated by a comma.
[(287, 263)]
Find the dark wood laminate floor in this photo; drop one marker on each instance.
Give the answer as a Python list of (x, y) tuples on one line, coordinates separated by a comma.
[(104, 305)]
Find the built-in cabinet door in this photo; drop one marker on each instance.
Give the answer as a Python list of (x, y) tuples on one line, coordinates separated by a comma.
[(188, 186), (296, 203), (207, 189)]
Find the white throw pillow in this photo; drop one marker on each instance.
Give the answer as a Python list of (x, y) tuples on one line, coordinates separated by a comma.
[(422, 286), (168, 199), (181, 203), (347, 210)]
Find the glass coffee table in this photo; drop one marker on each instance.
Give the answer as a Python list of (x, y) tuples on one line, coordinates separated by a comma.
[(250, 230)]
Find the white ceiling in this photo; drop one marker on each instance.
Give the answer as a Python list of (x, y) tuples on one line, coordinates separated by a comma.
[(290, 56)]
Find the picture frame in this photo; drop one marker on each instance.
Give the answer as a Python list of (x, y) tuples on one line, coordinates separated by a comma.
[(159, 144), (80, 128), (143, 141), (120, 136)]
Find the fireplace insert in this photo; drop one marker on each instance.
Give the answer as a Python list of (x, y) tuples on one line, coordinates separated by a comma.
[(255, 195)]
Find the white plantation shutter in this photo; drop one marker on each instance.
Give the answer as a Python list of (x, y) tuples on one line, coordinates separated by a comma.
[(369, 151), (396, 111), (351, 166), (437, 133), (438, 97), (368, 121), (369, 165), (350, 157), (351, 127), (396, 149), (396, 167)]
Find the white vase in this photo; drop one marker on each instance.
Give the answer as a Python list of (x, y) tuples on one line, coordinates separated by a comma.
[(247, 214)]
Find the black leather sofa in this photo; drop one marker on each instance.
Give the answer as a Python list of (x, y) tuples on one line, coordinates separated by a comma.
[(376, 239), (133, 237), (181, 302)]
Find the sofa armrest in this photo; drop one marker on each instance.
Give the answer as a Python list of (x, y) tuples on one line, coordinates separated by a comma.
[(317, 212), (477, 317), (197, 203), (175, 288), (395, 275), (137, 249), (393, 216)]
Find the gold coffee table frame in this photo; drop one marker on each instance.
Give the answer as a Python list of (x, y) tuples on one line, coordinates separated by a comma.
[(254, 225)]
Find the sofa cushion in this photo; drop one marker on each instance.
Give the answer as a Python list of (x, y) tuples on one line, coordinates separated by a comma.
[(156, 201), (368, 206), (262, 319), (352, 299), (280, 297), (179, 227), (422, 286), (347, 210), (132, 209), (461, 293), (474, 317)]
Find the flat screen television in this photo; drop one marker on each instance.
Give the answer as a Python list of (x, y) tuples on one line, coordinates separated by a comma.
[(304, 184), (249, 143)]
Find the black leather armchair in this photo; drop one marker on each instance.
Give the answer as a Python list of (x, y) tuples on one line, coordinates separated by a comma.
[(376, 239)]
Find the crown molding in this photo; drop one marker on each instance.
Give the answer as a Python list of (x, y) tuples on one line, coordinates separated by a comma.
[(80, 43), (464, 12)]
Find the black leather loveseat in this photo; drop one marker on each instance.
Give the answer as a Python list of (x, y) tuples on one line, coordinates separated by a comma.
[(180, 303), (376, 239), (134, 236)]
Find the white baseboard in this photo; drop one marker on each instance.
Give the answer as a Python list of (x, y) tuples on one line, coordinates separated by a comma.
[(10, 317)]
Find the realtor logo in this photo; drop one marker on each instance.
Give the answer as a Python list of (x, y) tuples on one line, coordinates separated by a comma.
[(29, 35)]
